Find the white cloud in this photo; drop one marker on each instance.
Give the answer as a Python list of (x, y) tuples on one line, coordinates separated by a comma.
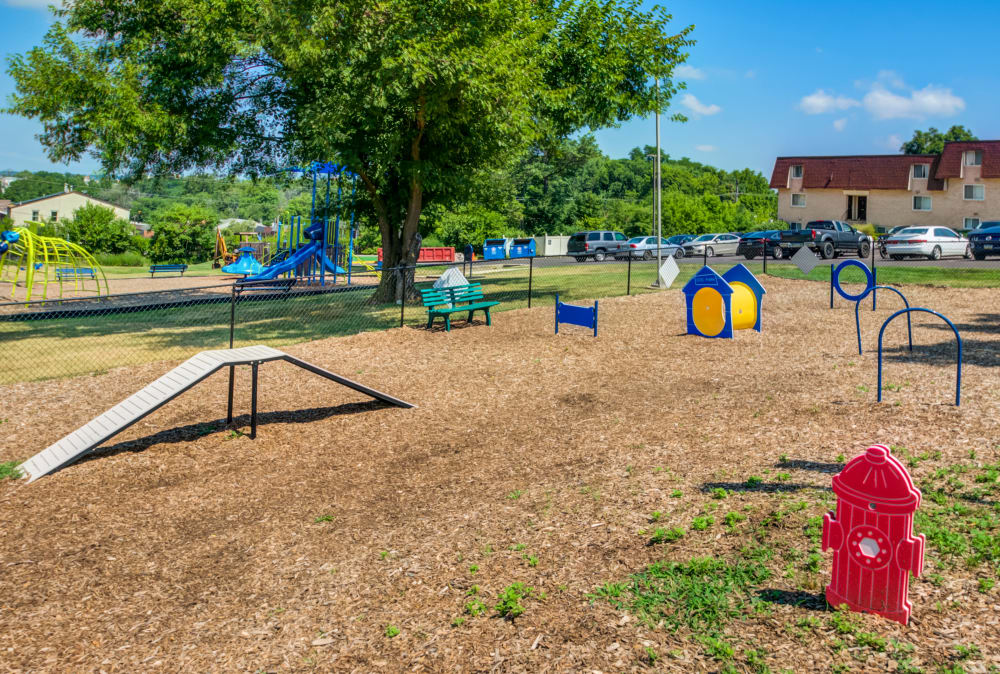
[(820, 102), (31, 4), (705, 148), (890, 78), (689, 72), (931, 101), (839, 124), (697, 108), (892, 143)]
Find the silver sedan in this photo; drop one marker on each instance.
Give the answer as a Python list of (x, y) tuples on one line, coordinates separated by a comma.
[(930, 242), (645, 247), (712, 244)]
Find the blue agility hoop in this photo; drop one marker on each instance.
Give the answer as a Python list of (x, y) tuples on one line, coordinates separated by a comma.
[(958, 338), (869, 278)]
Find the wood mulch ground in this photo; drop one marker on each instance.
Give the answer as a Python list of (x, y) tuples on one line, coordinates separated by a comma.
[(185, 547)]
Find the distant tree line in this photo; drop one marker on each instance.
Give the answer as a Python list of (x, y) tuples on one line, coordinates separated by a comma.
[(571, 186)]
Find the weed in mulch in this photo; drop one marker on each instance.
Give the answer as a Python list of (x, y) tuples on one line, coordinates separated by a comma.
[(9, 470), (509, 602)]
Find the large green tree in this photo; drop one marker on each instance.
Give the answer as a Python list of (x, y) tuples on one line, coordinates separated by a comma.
[(422, 99), (932, 141)]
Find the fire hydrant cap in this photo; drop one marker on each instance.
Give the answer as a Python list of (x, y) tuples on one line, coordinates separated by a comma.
[(877, 481)]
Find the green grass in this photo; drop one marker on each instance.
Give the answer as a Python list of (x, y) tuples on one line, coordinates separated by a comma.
[(702, 594), (977, 277), (9, 470)]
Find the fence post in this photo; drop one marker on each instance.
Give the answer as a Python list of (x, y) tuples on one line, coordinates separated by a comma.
[(763, 247), (874, 277), (628, 283), (531, 274), (704, 262), (232, 315), (401, 283)]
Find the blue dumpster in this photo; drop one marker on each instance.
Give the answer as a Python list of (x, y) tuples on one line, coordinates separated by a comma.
[(522, 248), (494, 249)]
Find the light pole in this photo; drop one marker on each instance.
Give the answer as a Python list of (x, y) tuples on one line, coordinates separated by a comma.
[(657, 203)]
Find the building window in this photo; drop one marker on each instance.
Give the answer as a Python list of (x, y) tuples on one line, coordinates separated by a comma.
[(975, 192), (920, 170), (54, 216), (799, 200), (921, 203), (34, 216), (974, 158), (970, 223), (797, 170)]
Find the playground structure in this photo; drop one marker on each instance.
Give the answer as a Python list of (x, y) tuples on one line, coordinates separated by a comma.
[(46, 260), (719, 305), (246, 264), (322, 238), (166, 388), (570, 314)]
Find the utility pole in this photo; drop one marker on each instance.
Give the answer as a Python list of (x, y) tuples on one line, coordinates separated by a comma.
[(657, 197)]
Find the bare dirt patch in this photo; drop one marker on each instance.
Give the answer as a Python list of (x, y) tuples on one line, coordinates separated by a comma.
[(532, 458)]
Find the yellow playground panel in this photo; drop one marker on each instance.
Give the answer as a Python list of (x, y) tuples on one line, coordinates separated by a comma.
[(34, 262)]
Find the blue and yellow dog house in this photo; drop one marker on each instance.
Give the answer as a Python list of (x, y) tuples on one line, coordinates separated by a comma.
[(718, 305)]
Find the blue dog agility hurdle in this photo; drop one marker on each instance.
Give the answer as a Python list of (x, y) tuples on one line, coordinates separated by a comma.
[(958, 338), (857, 317), (571, 314)]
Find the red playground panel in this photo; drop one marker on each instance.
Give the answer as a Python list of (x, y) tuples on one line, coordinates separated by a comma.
[(432, 254), (871, 535)]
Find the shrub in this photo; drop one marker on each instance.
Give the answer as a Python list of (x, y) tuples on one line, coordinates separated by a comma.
[(98, 230)]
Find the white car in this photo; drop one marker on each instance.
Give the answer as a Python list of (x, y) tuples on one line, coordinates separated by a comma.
[(645, 247), (930, 242)]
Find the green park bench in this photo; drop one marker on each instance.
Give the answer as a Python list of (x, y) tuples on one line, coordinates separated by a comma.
[(444, 302)]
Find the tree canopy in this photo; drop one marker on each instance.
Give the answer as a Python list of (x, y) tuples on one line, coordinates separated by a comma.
[(424, 99), (932, 141)]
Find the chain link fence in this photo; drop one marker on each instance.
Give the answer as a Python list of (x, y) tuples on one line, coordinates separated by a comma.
[(73, 337)]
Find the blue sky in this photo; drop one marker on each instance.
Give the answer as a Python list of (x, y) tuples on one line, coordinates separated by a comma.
[(765, 79)]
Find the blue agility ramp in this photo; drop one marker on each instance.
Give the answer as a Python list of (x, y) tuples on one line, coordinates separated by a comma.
[(571, 314)]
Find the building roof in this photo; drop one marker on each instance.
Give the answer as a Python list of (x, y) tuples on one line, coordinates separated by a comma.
[(853, 172), (950, 165), (59, 194), (886, 171)]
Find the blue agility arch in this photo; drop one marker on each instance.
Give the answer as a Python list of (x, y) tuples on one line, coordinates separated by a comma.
[(908, 310), (857, 318)]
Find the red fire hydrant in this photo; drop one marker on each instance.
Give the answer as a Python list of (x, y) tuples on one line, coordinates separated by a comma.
[(874, 550)]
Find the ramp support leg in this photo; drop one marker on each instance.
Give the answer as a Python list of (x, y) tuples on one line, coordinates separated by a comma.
[(229, 409), (253, 400)]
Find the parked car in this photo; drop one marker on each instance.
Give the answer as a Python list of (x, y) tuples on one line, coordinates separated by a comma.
[(679, 239), (598, 245), (829, 238), (712, 244), (885, 237), (985, 240), (645, 247), (930, 242), (755, 243)]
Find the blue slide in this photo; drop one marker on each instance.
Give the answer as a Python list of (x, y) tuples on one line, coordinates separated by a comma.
[(296, 259)]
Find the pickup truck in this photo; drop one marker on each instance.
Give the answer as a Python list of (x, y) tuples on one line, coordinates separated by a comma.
[(829, 238)]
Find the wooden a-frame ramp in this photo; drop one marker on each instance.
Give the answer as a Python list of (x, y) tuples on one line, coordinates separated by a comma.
[(166, 388)]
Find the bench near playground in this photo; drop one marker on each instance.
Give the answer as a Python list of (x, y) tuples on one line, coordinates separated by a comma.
[(166, 269), (73, 273), (443, 302)]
